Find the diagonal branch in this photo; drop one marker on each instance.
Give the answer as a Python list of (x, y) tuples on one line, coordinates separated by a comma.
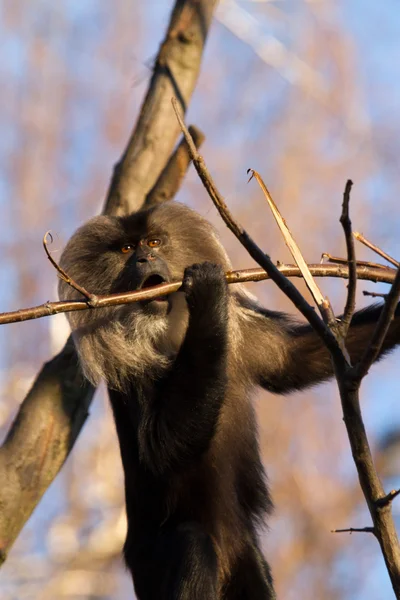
[(170, 180), (255, 252), (360, 238), (91, 298), (323, 303), (175, 72)]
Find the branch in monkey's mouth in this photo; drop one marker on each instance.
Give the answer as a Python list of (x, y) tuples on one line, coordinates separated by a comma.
[(152, 280)]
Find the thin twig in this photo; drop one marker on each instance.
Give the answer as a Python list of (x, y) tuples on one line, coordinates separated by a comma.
[(361, 238), (351, 257), (355, 530), (343, 261), (374, 294), (92, 299), (242, 276)]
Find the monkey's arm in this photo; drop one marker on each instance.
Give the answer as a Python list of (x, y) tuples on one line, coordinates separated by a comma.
[(292, 356), (183, 419)]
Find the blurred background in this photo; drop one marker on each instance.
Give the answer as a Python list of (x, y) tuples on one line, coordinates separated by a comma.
[(307, 93)]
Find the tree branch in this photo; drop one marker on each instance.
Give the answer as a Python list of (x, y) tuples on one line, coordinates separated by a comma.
[(290, 241), (255, 252), (40, 439), (349, 381), (175, 73), (351, 260), (388, 499), (360, 238), (347, 376), (53, 308), (354, 530), (344, 261), (91, 298), (169, 182), (322, 302)]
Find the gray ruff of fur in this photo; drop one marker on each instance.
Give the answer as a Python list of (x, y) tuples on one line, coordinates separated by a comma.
[(126, 342)]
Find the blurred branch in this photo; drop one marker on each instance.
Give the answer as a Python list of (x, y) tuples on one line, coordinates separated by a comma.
[(270, 50), (167, 185), (354, 530), (374, 294), (381, 275), (175, 73), (40, 439), (56, 408)]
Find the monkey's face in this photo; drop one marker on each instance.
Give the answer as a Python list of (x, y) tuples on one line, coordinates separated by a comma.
[(110, 255)]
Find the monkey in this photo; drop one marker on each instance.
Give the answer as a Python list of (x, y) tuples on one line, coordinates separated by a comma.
[(180, 371)]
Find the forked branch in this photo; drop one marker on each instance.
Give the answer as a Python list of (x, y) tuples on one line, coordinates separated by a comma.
[(255, 252), (348, 377)]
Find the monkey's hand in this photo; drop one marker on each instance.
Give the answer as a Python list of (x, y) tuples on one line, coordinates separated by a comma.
[(206, 291)]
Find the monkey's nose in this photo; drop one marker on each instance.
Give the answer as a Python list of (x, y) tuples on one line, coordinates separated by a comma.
[(143, 260)]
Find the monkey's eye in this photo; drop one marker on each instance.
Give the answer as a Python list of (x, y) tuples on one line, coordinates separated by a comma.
[(154, 243), (127, 248)]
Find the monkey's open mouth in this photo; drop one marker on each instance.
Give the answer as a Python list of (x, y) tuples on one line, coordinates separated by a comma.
[(152, 280)]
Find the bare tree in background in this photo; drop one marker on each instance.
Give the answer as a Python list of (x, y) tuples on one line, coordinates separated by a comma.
[(85, 535)]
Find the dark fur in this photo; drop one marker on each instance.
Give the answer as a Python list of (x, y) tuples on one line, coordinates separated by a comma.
[(180, 374)]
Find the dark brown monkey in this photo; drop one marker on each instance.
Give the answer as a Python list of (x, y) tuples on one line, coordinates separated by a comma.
[(180, 371)]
